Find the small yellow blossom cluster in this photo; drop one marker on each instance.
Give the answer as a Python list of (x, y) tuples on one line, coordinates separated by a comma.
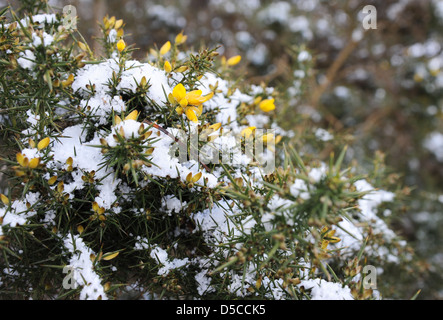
[(33, 163), (189, 103), (113, 25), (98, 212), (169, 66)]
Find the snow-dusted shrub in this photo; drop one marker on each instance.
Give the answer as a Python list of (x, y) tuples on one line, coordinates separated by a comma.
[(169, 178)]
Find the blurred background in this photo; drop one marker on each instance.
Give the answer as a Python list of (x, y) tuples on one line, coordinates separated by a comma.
[(379, 90)]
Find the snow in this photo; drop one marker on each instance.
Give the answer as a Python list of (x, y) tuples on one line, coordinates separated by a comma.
[(162, 258), (26, 60), (83, 273), (18, 213), (325, 290), (434, 143), (42, 40)]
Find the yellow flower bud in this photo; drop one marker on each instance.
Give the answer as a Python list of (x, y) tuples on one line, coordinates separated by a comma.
[(167, 66), (118, 24), (43, 143), (165, 48), (233, 60), (121, 45), (5, 199), (132, 116), (180, 38), (181, 69), (52, 180)]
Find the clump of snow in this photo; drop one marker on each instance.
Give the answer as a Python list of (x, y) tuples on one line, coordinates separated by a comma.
[(83, 273), (162, 258), (323, 135), (26, 59), (325, 290), (434, 143)]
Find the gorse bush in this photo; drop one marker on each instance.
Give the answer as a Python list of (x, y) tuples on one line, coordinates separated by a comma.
[(172, 178)]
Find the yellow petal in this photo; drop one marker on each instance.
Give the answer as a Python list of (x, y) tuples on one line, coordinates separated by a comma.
[(31, 143), (199, 110), (82, 46), (165, 48), (190, 114), (179, 110), (34, 163), (334, 239), (167, 67), (5, 199), (195, 98), (258, 100), (132, 116), (43, 143), (208, 96), (183, 102), (179, 92), (118, 24), (68, 81), (248, 131), (171, 98), (268, 137), (52, 180), (189, 177), (117, 120), (95, 206), (80, 229), (20, 159), (197, 177), (233, 60), (324, 244), (110, 256), (267, 105), (180, 38), (181, 69), (215, 126)]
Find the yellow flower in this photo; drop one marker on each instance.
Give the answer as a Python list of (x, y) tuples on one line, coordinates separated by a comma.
[(167, 66), (26, 163), (132, 116), (233, 60), (190, 103), (267, 105), (180, 38), (165, 48), (121, 45), (193, 179), (68, 81), (248, 131)]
